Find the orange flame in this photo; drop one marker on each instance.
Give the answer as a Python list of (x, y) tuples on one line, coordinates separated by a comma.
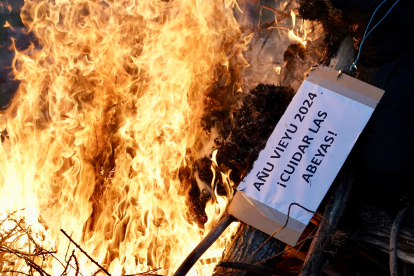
[(106, 114)]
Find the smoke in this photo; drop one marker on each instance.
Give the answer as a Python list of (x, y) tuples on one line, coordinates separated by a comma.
[(277, 54)]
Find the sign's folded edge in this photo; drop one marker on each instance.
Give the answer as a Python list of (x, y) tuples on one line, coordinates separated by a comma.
[(346, 86), (265, 218)]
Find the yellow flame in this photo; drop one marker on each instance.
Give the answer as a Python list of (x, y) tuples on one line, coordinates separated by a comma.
[(277, 69), (214, 157), (291, 34), (217, 205), (107, 110), (293, 15)]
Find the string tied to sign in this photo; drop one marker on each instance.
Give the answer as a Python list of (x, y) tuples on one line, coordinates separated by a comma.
[(366, 33)]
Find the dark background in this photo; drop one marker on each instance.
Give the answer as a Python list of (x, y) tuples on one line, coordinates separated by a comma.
[(7, 85)]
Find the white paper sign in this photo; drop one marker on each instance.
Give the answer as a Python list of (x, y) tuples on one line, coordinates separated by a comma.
[(306, 150)]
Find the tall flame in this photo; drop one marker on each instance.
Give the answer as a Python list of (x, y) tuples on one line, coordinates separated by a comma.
[(106, 114)]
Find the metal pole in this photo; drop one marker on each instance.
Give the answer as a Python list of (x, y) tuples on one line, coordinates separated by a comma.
[(204, 245)]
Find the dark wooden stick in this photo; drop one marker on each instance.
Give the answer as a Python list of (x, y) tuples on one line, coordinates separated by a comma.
[(67, 251), (57, 259), (86, 254), (264, 43), (77, 264), (266, 26), (272, 9), (383, 244), (68, 262), (27, 258), (283, 15), (289, 249), (13, 271)]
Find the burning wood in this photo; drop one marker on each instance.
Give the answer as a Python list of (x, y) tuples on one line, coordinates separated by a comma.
[(22, 251), (21, 248)]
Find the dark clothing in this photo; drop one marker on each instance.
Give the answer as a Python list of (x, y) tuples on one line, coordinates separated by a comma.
[(385, 150)]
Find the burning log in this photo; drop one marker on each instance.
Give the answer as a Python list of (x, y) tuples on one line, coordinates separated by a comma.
[(244, 247)]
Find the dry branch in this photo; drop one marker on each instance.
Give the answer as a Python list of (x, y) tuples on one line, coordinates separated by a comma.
[(18, 246), (22, 253), (86, 254), (282, 16)]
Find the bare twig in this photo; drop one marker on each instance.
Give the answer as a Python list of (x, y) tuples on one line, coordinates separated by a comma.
[(8, 235), (86, 254), (264, 42), (272, 9), (68, 262), (25, 257), (36, 267), (77, 265), (265, 26), (13, 271), (67, 250), (283, 16), (57, 259)]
